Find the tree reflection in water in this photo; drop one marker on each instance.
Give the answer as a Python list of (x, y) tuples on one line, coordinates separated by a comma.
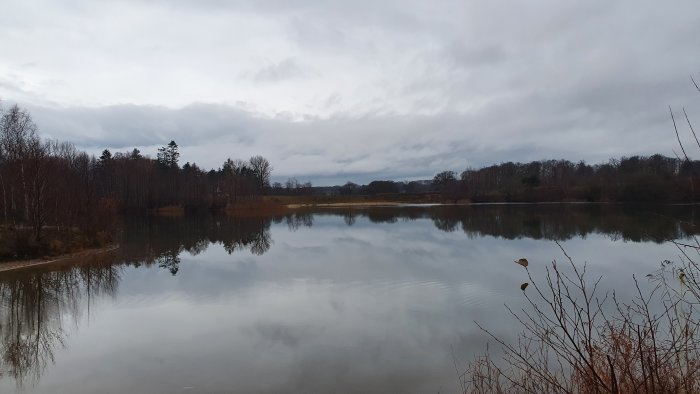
[(637, 223), (161, 240), (33, 303), (33, 306)]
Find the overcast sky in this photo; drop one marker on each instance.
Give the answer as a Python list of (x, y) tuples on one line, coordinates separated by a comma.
[(331, 91)]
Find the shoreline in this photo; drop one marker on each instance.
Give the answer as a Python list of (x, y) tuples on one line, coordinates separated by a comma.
[(276, 204), (359, 204), (23, 264), (344, 204)]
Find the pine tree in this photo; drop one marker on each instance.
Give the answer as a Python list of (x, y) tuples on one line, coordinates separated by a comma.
[(169, 155), (105, 157)]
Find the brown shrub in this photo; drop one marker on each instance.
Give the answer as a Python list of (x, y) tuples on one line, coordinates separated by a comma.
[(576, 340)]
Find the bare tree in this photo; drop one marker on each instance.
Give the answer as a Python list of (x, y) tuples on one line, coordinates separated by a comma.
[(39, 166), (261, 170), (2, 166), (17, 133)]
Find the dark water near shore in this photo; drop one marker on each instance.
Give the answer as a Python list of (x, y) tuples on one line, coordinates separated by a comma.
[(376, 300)]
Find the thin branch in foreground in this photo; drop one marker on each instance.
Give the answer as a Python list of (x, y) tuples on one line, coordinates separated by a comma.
[(571, 342), (677, 135), (691, 127), (695, 83)]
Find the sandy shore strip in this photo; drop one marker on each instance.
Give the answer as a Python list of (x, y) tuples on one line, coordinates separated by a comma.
[(20, 264), (347, 204)]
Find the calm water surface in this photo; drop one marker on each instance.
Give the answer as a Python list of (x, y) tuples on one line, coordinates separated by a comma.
[(376, 300)]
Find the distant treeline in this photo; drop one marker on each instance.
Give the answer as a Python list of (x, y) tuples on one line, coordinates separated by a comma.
[(561, 222), (51, 187), (653, 178)]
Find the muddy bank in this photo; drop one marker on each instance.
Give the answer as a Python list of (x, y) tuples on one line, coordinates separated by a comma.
[(347, 204), (21, 264)]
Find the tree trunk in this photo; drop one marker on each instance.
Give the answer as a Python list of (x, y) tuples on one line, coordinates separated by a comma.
[(12, 197), (4, 198), (24, 190)]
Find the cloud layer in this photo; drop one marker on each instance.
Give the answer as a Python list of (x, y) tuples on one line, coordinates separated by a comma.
[(336, 91)]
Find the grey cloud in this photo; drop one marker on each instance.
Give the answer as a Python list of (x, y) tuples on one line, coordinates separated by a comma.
[(9, 85), (124, 126), (283, 70), (359, 149), (14, 88), (464, 56), (333, 100), (371, 89)]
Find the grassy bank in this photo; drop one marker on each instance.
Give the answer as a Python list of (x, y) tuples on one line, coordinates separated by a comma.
[(262, 207), (281, 205), (376, 199), (19, 243), (169, 210), (68, 258)]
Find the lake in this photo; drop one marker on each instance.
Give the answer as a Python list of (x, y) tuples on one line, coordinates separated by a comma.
[(375, 300)]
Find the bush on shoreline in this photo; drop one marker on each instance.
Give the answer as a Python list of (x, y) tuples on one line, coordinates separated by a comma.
[(576, 339), (20, 243)]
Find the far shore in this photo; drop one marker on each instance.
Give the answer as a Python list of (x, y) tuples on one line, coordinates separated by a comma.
[(22, 264), (283, 204), (361, 204), (384, 199), (344, 204)]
